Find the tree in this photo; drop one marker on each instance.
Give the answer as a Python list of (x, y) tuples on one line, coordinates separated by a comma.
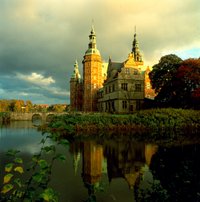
[(59, 108), (18, 105), (188, 80), (29, 106), (163, 77), (177, 82), (4, 105)]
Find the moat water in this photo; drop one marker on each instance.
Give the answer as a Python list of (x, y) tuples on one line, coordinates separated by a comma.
[(111, 170)]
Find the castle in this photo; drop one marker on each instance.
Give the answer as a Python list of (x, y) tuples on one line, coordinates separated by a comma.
[(120, 89)]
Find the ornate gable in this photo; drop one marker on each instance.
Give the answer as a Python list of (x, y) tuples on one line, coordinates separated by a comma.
[(130, 62)]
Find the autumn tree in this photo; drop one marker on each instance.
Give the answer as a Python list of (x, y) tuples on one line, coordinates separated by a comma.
[(177, 82), (15, 106), (19, 104), (188, 83), (59, 108), (29, 106), (4, 105)]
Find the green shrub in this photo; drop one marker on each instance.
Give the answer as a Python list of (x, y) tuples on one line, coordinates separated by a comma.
[(158, 122)]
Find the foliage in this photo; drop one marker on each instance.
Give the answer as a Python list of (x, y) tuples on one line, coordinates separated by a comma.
[(4, 117), (15, 106), (155, 123), (18, 187), (188, 82), (57, 108), (18, 106), (29, 106), (4, 105), (154, 192), (162, 77), (177, 82)]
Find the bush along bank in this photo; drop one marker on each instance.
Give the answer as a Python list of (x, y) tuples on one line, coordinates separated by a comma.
[(160, 123), (4, 117)]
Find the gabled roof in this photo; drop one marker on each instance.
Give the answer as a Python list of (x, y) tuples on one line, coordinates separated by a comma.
[(114, 66)]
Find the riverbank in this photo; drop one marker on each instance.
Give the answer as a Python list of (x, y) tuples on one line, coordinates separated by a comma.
[(154, 123)]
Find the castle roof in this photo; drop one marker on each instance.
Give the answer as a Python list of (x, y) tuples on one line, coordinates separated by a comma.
[(92, 46)]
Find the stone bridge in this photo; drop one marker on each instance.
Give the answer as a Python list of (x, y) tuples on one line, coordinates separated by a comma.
[(14, 116)]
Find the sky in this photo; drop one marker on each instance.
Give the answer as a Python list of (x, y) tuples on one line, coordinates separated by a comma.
[(41, 39)]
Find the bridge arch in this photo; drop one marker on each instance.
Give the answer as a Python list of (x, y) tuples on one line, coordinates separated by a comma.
[(30, 116), (36, 116)]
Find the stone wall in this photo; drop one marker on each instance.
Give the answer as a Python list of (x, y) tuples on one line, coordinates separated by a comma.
[(21, 116)]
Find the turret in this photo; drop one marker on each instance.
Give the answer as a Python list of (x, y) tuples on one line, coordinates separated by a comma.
[(76, 75), (92, 46), (76, 89), (135, 49)]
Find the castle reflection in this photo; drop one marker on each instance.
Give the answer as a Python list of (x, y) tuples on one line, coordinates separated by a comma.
[(118, 159)]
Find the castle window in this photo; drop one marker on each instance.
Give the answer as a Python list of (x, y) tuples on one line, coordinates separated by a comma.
[(124, 86), (113, 106), (138, 87), (127, 71), (109, 89), (113, 87), (106, 90), (135, 72), (124, 104)]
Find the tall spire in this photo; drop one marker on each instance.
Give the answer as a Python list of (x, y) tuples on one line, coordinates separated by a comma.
[(135, 49), (92, 46), (92, 37), (135, 43), (92, 29)]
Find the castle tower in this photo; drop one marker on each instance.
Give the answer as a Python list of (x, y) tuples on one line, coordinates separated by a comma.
[(92, 74), (76, 89), (136, 51)]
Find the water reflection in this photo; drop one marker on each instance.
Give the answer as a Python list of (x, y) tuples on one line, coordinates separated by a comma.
[(117, 159), (177, 169), (92, 167), (18, 125), (21, 135), (151, 173), (113, 170)]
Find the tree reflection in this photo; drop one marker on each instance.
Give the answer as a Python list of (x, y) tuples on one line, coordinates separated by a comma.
[(177, 168)]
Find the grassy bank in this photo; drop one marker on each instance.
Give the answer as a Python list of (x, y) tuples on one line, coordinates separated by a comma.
[(156, 122)]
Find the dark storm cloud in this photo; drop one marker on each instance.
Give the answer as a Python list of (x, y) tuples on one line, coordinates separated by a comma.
[(46, 37)]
